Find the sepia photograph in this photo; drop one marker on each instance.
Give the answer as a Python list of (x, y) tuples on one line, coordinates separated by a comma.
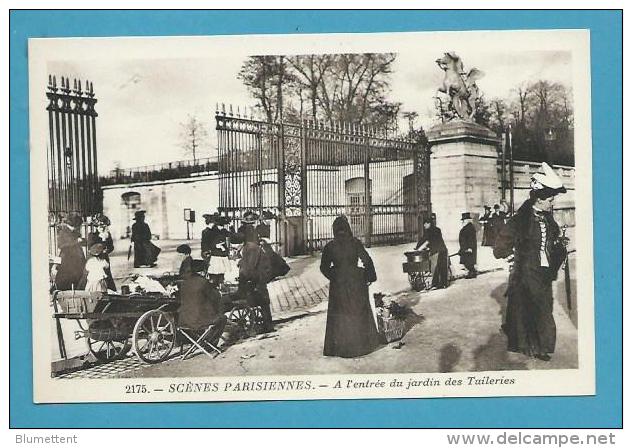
[(311, 217)]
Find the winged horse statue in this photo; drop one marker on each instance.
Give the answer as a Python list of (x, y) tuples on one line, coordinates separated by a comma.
[(459, 85)]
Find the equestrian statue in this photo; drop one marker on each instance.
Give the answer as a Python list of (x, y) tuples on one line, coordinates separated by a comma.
[(460, 87)]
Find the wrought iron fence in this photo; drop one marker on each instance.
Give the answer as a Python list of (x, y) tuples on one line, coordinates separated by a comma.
[(73, 183), (308, 173)]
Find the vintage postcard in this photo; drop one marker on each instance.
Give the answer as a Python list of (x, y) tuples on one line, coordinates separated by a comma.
[(284, 217)]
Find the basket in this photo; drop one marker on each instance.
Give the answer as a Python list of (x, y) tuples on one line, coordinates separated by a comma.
[(391, 329), (76, 303)]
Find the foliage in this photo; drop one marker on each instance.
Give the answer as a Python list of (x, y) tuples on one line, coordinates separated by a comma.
[(541, 116), (350, 88)]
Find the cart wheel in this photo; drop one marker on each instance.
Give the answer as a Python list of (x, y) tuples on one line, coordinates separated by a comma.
[(241, 318), (154, 336), (106, 351), (255, 321)]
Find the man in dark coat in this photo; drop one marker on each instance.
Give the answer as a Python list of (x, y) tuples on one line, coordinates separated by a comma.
[(467, 245), (254, 274), (432, 239), (145, 253), (70, 274), (200, 306), (532, 237)]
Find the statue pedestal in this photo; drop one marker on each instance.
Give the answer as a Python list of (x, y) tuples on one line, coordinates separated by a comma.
[(463, 172)]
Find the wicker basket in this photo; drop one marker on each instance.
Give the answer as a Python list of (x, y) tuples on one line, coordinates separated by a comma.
[(391, 329)]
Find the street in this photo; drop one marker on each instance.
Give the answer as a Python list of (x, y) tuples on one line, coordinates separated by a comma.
[(455, 329)]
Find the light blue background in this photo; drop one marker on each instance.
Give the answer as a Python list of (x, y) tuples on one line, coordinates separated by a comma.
[(602, 410)]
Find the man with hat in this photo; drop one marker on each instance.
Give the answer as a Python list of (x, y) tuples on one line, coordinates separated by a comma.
[(145, 253), (467, 245), (532, 237), (70, 274), (247, 230)]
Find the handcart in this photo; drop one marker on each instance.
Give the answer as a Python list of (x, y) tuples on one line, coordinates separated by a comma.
[(114, 323), (419, 268)]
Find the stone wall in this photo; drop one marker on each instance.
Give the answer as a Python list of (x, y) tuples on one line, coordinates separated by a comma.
[(164, 202), (466, 175)]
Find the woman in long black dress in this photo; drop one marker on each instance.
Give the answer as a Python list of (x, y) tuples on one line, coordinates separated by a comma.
[(351, 329), (432, 240)]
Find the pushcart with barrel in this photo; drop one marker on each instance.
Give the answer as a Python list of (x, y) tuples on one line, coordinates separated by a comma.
[(419, 269)]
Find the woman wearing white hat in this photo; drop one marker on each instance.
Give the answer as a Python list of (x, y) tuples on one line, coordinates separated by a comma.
[(533, 238), (97, 269)]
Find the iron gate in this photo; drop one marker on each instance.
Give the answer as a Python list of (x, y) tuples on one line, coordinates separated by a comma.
[(308, 173), (73, 183)]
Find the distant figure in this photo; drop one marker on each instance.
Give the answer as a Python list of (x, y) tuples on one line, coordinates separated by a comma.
[(432, 239), (200, 306), (214, 248), (145, 252), (264, 226), (350, 329), (248, 221), (467, 245), (497, 221), (70, 274), (488, 231), (533, 238), (97, 269)]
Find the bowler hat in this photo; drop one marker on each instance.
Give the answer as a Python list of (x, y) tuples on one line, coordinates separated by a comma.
[(465, 215), (139, 213)]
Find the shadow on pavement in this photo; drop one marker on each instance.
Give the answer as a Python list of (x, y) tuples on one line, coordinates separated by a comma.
[(449, 357), (493, 355)]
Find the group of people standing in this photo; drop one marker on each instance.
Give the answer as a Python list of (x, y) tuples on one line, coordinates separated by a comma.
[(244, 255), (530, 239), (71, 270), (492, 223)]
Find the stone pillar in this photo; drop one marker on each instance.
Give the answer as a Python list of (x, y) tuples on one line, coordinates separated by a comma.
[(463, 172)]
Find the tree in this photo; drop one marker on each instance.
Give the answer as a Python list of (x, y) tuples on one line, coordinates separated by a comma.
[(268, 81), (348, 88), (193, 136), (309, 72)]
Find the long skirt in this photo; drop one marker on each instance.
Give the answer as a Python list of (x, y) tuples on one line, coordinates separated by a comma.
[(529, 323), (145, 253), (224, 265), (439, 261), (350, 329), (489, 236)]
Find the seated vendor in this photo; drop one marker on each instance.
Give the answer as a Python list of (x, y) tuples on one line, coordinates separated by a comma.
[(200, 306), (184, 262)]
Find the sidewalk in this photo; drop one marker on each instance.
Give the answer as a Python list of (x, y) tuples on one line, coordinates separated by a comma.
[(467, 309)]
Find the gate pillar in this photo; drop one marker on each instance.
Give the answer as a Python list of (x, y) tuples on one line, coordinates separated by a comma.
[(464, 172)]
